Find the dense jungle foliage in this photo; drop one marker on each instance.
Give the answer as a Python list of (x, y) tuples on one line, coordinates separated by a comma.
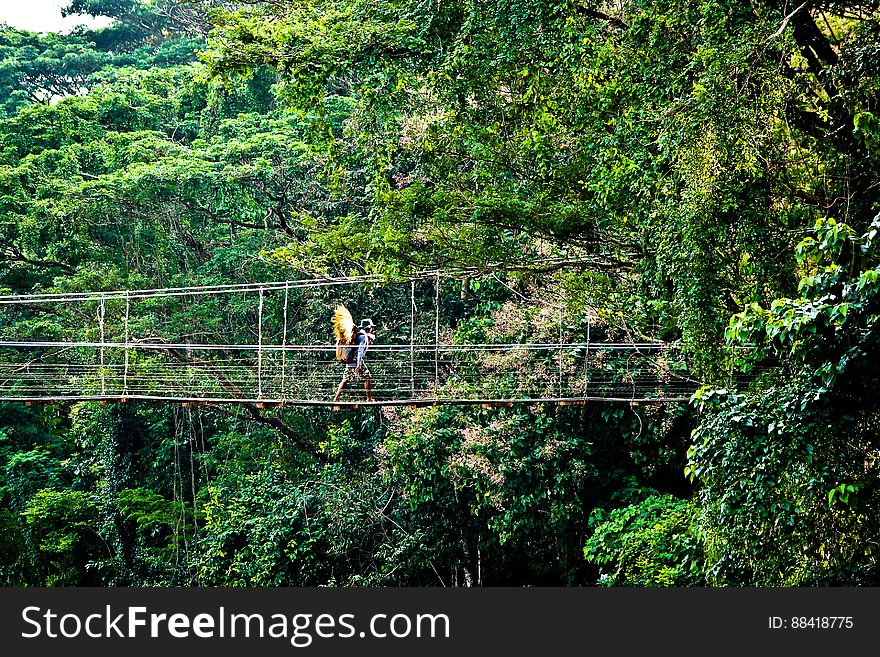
[(703, 172)]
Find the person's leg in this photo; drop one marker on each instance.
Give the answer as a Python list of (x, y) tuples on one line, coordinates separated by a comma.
[(367, 376), (339, 390)]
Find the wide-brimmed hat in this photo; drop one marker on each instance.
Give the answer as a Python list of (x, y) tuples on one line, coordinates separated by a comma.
[(367, 324)]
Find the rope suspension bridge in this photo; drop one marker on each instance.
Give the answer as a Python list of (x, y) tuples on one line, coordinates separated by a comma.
[(263, 344)]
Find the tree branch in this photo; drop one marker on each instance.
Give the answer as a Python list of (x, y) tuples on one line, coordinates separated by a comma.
[(253, 411), (15, 255), (785, 21), (602, 16)]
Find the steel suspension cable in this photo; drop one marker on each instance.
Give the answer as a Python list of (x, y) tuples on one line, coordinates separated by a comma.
[(412, 337), (260, 346), (284, 340), (436, 332), (127, 341), (101, 323)]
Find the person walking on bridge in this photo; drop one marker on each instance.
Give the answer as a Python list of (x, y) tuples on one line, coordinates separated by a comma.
[(353, 352)]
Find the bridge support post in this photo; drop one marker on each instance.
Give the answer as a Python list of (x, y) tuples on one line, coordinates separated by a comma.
[(284, 342), (125, 368), (437, 335), (260, 347), (101, 311), (412, 339)]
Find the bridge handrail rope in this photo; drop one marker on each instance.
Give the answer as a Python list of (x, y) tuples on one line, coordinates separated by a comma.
[(487, 346), (159, 292), (231, 288)]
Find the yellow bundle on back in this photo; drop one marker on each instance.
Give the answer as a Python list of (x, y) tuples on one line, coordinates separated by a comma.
[(343, 324)]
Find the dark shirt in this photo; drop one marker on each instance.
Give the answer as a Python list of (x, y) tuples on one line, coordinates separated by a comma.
[(361, 341)]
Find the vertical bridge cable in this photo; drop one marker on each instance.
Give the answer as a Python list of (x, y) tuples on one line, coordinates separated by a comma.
[(125, 370), (284, 341), (587, 358), (412, 339), (191, 367), (101, 324), (437, 336), (260, 348), (560, 349)]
